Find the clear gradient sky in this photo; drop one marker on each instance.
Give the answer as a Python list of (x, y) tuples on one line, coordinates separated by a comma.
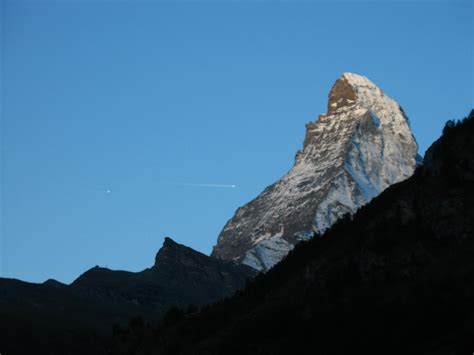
[(108, 105)]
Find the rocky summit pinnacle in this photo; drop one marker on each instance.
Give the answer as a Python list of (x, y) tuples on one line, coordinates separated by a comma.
[(362, 145)]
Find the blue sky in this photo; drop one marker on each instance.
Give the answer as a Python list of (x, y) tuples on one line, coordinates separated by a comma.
[(134, 96)]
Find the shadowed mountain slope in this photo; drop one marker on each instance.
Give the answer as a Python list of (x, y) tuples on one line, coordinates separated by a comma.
[(396, 278)]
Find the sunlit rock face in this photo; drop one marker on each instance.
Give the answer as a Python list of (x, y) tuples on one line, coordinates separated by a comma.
[(362, 145)]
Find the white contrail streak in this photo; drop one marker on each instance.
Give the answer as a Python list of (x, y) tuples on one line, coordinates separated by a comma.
[(200, 185)]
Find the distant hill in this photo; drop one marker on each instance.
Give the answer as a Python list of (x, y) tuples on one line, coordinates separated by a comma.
[(54, 318), (396, 278)]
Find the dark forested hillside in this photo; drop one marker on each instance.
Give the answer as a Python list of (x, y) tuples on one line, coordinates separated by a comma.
[(396, 278), (57, 319)]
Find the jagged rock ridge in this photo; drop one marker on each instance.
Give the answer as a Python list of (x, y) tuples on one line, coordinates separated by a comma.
[(362, 145)]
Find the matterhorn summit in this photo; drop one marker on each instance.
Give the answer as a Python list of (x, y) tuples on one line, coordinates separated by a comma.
[(362, 145)]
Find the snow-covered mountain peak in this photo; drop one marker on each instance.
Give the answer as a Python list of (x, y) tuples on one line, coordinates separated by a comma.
[(358, 148), (357, 80), (353, 89)]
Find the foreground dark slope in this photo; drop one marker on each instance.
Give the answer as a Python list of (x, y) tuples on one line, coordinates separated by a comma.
[(53, 318), (397, 278)]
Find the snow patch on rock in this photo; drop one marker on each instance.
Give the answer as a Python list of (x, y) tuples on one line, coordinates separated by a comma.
[(265, 254)]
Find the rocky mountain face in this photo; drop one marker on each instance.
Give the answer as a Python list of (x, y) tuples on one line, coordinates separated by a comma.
[(362, 145), (395, 278), (47, 318)]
